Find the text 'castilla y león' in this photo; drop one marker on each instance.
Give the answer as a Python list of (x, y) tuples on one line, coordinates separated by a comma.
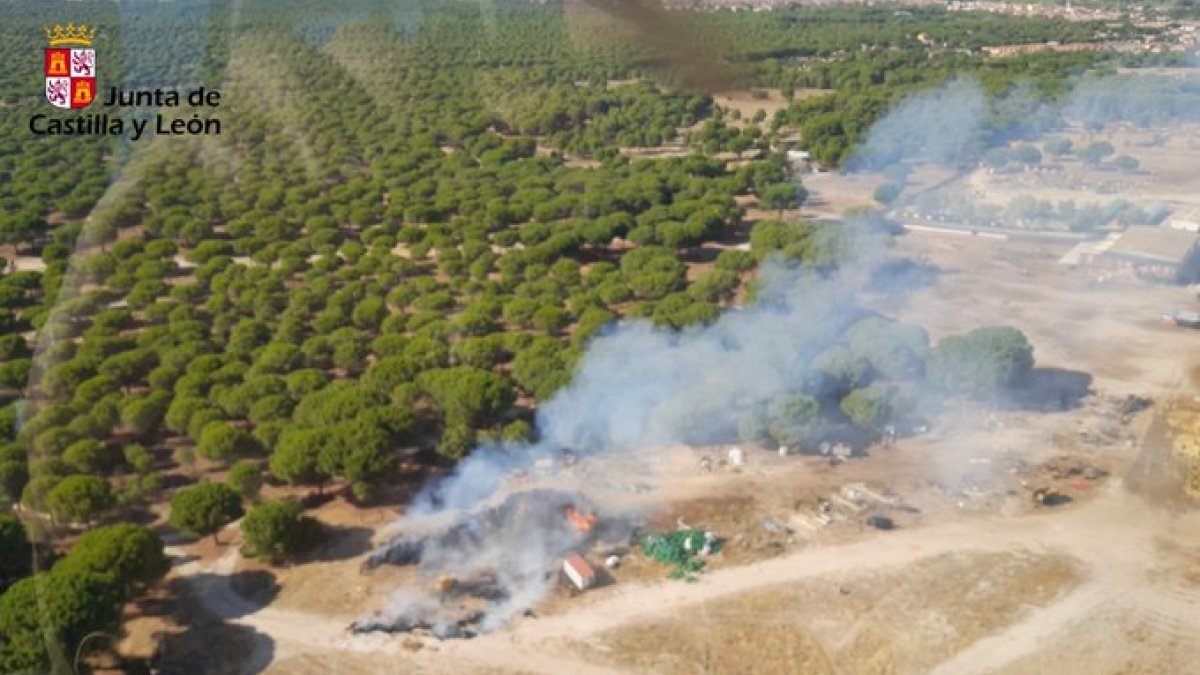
[(139, 126)]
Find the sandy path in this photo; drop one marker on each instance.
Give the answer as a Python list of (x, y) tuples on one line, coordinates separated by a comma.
[(290, 632), (1112, 538)]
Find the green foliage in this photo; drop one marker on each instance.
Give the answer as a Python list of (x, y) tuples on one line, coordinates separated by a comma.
[(844, 368), (50, 613), (138, 457), (221, 441), (14, 475), (652, 271), (793, 419), (337, 402), (130, 556), (893, 349), (16, 554), (465, 395), (277, 529), (982, 361), (295, 459), (89, 456), (1095, 153), (79, 498), (681, 549), (887, 193), (204, 508), (874, 406), (456, 441), (782, 196), (247, 479)]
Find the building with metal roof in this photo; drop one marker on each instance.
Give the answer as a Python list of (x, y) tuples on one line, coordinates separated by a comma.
[(1158, 253)]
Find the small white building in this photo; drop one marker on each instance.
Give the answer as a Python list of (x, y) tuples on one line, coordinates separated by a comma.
[(736, 457), (1187, 220)]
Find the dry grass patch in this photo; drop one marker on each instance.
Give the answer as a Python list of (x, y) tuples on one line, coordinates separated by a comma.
[(898, 621)]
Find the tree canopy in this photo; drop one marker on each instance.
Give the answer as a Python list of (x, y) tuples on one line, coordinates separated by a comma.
[(204, 508)]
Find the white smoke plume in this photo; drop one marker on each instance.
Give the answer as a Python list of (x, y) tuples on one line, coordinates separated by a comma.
[(939, 125), (637, 388)]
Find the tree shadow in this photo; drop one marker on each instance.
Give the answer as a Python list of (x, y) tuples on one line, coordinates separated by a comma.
[(339, 543), (1048, 390), (318, 499), (227, 596), (208, 644), (178, 560), (138, 516), (213, 648), (699, 254), (176, 480)]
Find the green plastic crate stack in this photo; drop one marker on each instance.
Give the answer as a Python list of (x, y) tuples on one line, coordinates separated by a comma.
[(678, 549)]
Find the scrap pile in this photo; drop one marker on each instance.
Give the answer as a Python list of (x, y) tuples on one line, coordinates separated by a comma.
[(684, 549), (847, 504), (474, 571)]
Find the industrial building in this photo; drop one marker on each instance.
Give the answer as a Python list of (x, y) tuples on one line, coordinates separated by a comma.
[(1186, 219), (1156, 253)]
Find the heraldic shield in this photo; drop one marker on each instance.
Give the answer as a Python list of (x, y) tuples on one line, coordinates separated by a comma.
[(70, 70), (70, 77)]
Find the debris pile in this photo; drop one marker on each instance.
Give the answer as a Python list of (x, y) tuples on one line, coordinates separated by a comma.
[(486, 565), (847, 503)]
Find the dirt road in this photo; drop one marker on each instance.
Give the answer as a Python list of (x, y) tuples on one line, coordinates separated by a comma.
[(1113, 538), (1116, 539)]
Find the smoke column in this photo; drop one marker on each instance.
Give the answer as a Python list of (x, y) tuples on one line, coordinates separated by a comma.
[(638, 388)]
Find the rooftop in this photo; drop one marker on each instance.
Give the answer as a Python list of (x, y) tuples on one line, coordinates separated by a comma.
[(1162, 245)]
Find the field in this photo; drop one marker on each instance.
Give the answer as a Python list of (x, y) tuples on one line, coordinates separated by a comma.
[(900, 620)]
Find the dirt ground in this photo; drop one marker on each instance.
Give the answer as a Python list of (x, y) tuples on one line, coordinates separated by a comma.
[(1165, 177), (899, 620), (1111, 331), (977, 577), (749, 101)]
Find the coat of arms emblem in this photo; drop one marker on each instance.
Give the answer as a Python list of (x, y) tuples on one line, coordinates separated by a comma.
[(70, 67)]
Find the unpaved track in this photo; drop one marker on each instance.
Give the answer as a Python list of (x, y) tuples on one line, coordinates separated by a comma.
[(1112, 537)]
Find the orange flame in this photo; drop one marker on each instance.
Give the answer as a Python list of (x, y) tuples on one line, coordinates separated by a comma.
[(582, 522)]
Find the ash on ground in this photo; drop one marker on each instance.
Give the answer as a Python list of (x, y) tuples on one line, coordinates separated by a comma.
[(485, 567)]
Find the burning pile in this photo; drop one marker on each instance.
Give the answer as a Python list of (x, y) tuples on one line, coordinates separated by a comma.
[(582, 522), (487, 565)]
